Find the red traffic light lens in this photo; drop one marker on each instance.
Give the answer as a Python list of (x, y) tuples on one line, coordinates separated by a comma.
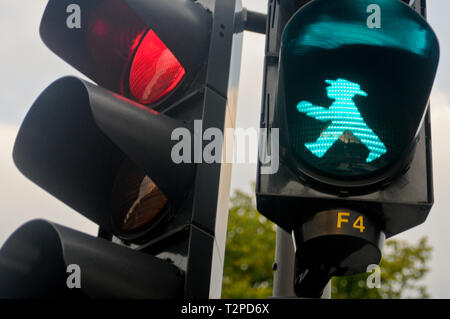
[(113, 33), (119, 43), (155, 71)]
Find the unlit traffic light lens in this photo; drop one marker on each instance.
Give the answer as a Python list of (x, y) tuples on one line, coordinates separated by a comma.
[(136, 199)]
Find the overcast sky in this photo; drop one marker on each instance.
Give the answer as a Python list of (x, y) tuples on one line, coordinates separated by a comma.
[(28, 67)]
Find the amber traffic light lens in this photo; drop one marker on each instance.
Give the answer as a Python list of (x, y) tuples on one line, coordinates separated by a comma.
[(137, 200)]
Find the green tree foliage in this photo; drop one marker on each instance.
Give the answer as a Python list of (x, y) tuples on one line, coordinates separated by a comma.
[(250, 254), (402, 266)]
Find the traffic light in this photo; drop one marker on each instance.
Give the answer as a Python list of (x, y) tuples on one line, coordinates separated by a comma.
[(124, 152), (347, 84)]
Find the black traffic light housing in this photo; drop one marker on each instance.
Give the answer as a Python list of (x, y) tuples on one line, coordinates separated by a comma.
[(107, 270), (92, 146), (308, 206), (90, 131)]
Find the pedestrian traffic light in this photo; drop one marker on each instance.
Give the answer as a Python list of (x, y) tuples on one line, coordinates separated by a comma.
[(347, 84), (330, 53), (166, 71)]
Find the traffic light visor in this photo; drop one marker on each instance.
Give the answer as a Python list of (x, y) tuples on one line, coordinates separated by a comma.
[(105, 156), (139, 49)]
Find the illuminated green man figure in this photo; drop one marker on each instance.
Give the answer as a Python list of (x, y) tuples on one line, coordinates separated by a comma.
[(344, 116)]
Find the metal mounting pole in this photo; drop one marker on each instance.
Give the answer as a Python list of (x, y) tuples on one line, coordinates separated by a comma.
[(283, 281)]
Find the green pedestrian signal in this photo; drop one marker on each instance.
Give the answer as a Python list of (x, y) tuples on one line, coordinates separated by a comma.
[(353, 97), (345, 117)]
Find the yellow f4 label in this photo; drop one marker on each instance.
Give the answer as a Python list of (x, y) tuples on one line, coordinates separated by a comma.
[(358, 224)]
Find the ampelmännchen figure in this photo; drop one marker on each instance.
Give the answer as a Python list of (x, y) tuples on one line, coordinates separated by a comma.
[(344, 116)]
